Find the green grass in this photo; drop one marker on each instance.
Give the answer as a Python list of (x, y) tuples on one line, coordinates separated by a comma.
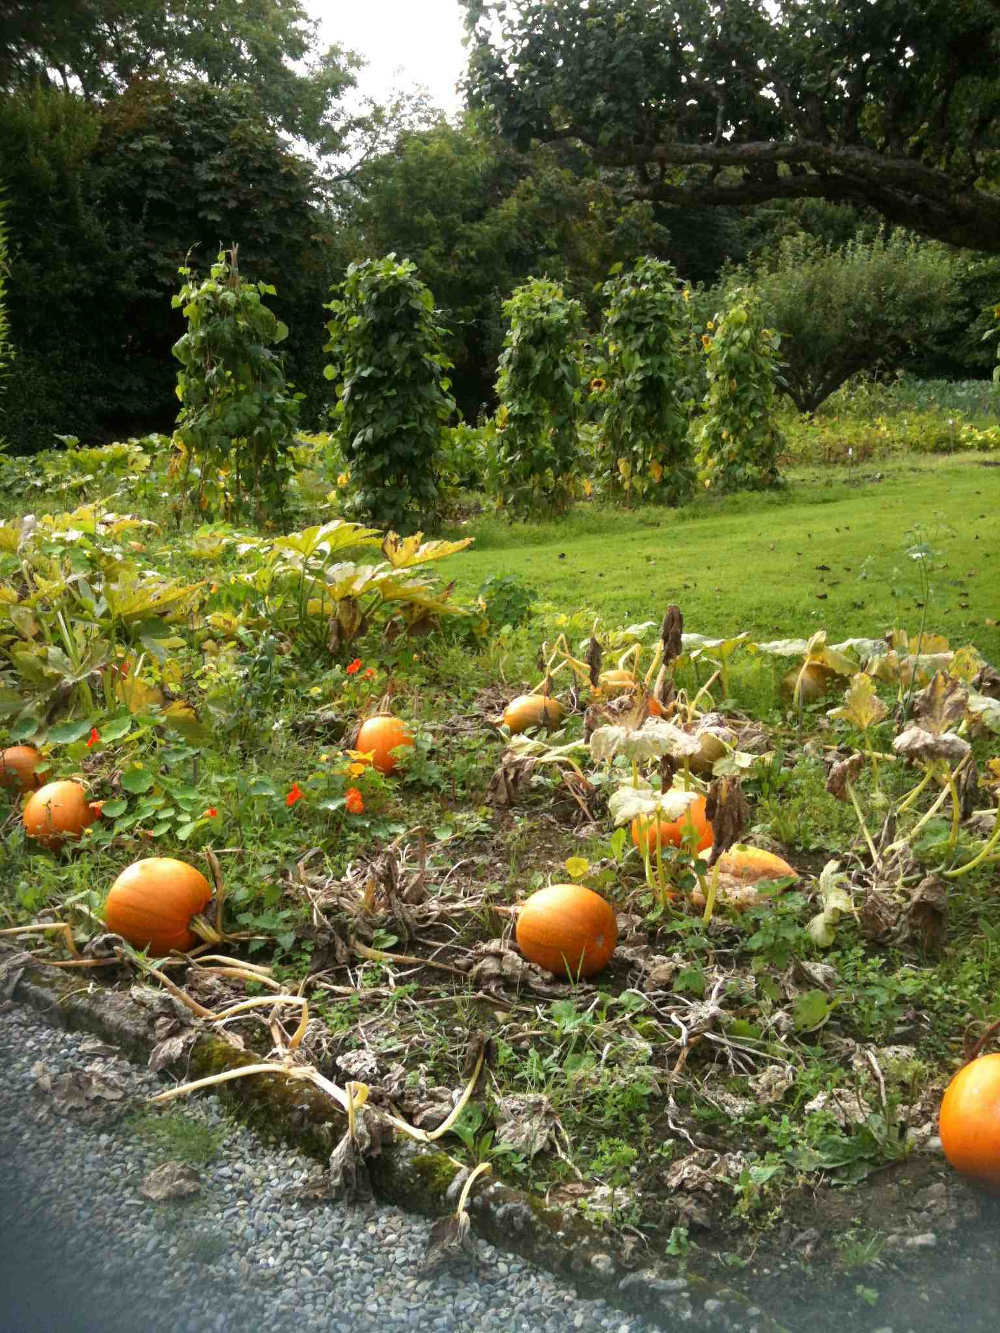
[(753, 561)]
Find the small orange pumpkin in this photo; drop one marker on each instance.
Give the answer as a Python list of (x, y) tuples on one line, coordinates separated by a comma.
[(152, 902), (532, 710), (57, 812), (380, 736), (675, 832), (753, 864), (969, 1121), (567, 929), (19, 768)]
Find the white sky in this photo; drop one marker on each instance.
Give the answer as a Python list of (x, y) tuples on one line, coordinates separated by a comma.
[(406, 43)]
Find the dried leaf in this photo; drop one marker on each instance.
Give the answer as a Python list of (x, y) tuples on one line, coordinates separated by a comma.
[(595, 657), (941, 704), (918, 746), (450, 1238), (172, 1180), (842, 772), (727, 811), (165, 1052), (672, 634), (526, 1123)]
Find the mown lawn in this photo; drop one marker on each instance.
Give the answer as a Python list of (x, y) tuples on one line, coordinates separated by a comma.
[(829, 550)]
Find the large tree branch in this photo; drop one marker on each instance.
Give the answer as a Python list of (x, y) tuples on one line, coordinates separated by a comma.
[(906, 191)]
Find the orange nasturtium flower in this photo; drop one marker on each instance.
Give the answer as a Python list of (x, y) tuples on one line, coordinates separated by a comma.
[(369, 673), (354, 803), (210, 813), (296, 794), (93, 738), (356, 769), (354, 666)]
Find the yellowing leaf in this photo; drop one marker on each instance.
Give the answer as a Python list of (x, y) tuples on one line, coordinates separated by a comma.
[(576, 866), (862, 707), (404, 552)]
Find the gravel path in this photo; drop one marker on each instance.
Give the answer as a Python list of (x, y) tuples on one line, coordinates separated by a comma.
[(83, 1252)]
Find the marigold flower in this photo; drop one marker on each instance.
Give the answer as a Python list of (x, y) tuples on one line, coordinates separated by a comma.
[(296, 794), (93, 738), (354, 667), (355, 770), (354, 803)]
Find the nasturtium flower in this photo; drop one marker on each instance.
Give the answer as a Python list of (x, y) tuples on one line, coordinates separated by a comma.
[(211, 812), (370, 673), (93, 738), (354, 802), (354, 667), (296, 794)]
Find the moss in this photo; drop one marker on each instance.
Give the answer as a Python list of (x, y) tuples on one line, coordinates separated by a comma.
[(415, 1178), (277, 1108)]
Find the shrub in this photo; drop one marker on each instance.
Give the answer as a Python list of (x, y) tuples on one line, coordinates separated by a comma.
[(861, 306), (237, 422), (393, 390), (534, 465), (738, 437), (645, 395)]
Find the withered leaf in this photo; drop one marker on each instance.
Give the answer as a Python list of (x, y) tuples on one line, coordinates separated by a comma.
[(671, 633), (842, 772), (727, 811), (862, 707), (925, 918), (450, 1238), (525, 1122), (172, 1180), (941, 704), (919, 746), (169, 1050)]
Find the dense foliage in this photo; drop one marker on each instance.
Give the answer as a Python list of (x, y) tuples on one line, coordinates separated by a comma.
[(535, 464), (646, 391), (392, 381), (237, 420), (892, 105), (738, 436)]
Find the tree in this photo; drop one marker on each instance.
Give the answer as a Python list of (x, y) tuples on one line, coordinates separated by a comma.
[(5, 347), (891, 104), (100, 47), (862, 306)]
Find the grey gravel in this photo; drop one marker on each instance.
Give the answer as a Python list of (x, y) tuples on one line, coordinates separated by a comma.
[(83, 1251)]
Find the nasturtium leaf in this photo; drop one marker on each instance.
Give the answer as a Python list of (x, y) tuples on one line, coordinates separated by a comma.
[(137, 779), (811, 1010), (116, 728), (69, 731)]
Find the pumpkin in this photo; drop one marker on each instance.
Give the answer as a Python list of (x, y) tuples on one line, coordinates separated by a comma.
[(969, 1121), (675, 832), (19, 768), (753, 864), (379, 736), (532, 710), (152, 903), (567, 929), (816, 681), (57, 812)]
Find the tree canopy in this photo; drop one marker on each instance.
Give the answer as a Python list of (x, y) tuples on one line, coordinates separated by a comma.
[(890, 104), (100, 47)]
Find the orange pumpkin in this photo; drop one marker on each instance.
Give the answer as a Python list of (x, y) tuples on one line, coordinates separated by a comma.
[(675, 832), (152, 902), (567, 929), (57, 812), (532, 710), (969, 1121), (753, 864), (18, 768), (380, 736)]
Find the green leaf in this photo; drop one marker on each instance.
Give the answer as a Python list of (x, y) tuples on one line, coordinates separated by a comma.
[(69, 731), (811, 1010), (112, 809), (137, 779), (116, 728)]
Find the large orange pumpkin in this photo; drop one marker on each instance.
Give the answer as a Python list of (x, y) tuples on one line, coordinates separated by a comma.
[(152, 901), (58, 812), (567, 929), (379, 736), (674, 832), (532, 710), (969, 1121), (19, 768)]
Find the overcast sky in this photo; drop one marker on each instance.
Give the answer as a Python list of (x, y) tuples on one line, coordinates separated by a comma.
[(406, 42)]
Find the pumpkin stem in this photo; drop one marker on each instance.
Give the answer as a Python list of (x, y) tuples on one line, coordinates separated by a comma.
[(204, 930), (977, 1050)]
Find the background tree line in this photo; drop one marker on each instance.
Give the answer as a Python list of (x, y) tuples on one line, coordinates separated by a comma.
[(134, 139)]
